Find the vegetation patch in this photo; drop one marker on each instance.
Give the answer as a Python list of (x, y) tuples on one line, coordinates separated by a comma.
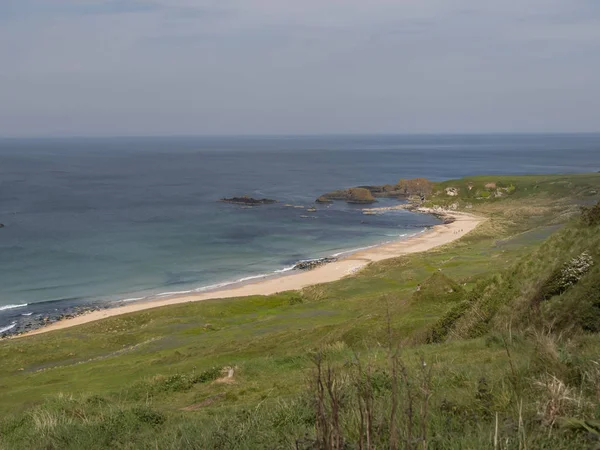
[(173, 383), (568, 275), (591, 215)]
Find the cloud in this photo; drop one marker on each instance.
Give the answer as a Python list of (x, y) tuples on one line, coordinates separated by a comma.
[(208, 66), (109, 7)]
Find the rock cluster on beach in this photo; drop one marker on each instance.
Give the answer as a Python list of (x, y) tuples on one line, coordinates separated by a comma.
[(248, 201), (27, 324), (313, 263)]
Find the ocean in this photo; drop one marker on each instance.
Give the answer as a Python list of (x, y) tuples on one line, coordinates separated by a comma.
[(99, 222)]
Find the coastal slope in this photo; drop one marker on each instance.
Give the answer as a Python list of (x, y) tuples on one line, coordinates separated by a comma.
[(489, 341)]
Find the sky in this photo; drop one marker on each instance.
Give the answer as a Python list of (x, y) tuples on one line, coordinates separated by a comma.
[(197, 67)]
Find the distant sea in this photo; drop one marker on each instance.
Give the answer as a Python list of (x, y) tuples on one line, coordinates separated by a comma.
[(100, 222)]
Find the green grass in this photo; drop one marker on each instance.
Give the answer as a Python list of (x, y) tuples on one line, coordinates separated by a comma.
[(122, 382)]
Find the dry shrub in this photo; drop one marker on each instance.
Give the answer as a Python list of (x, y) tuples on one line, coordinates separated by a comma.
[(591, 377), (45, 421), (546, 344), (591, 216), (328, 385), (334, 348), (556, 399), (314, 293)]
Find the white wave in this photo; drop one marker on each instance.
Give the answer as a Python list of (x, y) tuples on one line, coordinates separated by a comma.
[(211, 287), (214, 286), (345, 252), (27, 314), (164, 294), (285, 269), (3, 308), (125, 300), (224, 284), (253, 277), (10, 327)]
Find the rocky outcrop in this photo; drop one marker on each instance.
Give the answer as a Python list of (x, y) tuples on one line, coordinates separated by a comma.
[(324, 199), (310, 264), (385, 191), (359, 195), (334, 195), (421, 187), (248, 201), (404, 189)]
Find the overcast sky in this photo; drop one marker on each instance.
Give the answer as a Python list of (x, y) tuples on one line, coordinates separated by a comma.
[(147, 67)]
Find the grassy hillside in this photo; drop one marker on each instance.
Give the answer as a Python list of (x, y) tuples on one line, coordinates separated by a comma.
[(497, 348)]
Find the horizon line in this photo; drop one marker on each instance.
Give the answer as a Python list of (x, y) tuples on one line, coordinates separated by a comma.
[(297, 135)]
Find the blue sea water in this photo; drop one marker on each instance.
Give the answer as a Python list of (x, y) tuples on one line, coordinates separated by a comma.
[(98, 221)]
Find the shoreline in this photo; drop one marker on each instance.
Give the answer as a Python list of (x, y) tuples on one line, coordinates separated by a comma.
[(438, 235)]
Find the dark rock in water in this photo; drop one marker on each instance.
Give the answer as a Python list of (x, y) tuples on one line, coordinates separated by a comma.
[(324, 199), (1, 225), (248, 201), (313, 263)]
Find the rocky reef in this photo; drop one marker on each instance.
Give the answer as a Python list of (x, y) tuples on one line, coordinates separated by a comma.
[(248, 201)]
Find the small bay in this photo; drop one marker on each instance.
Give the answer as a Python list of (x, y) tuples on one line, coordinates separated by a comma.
[(107, 220)]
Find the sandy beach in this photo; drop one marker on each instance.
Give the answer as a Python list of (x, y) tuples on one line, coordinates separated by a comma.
[(435, 237)]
